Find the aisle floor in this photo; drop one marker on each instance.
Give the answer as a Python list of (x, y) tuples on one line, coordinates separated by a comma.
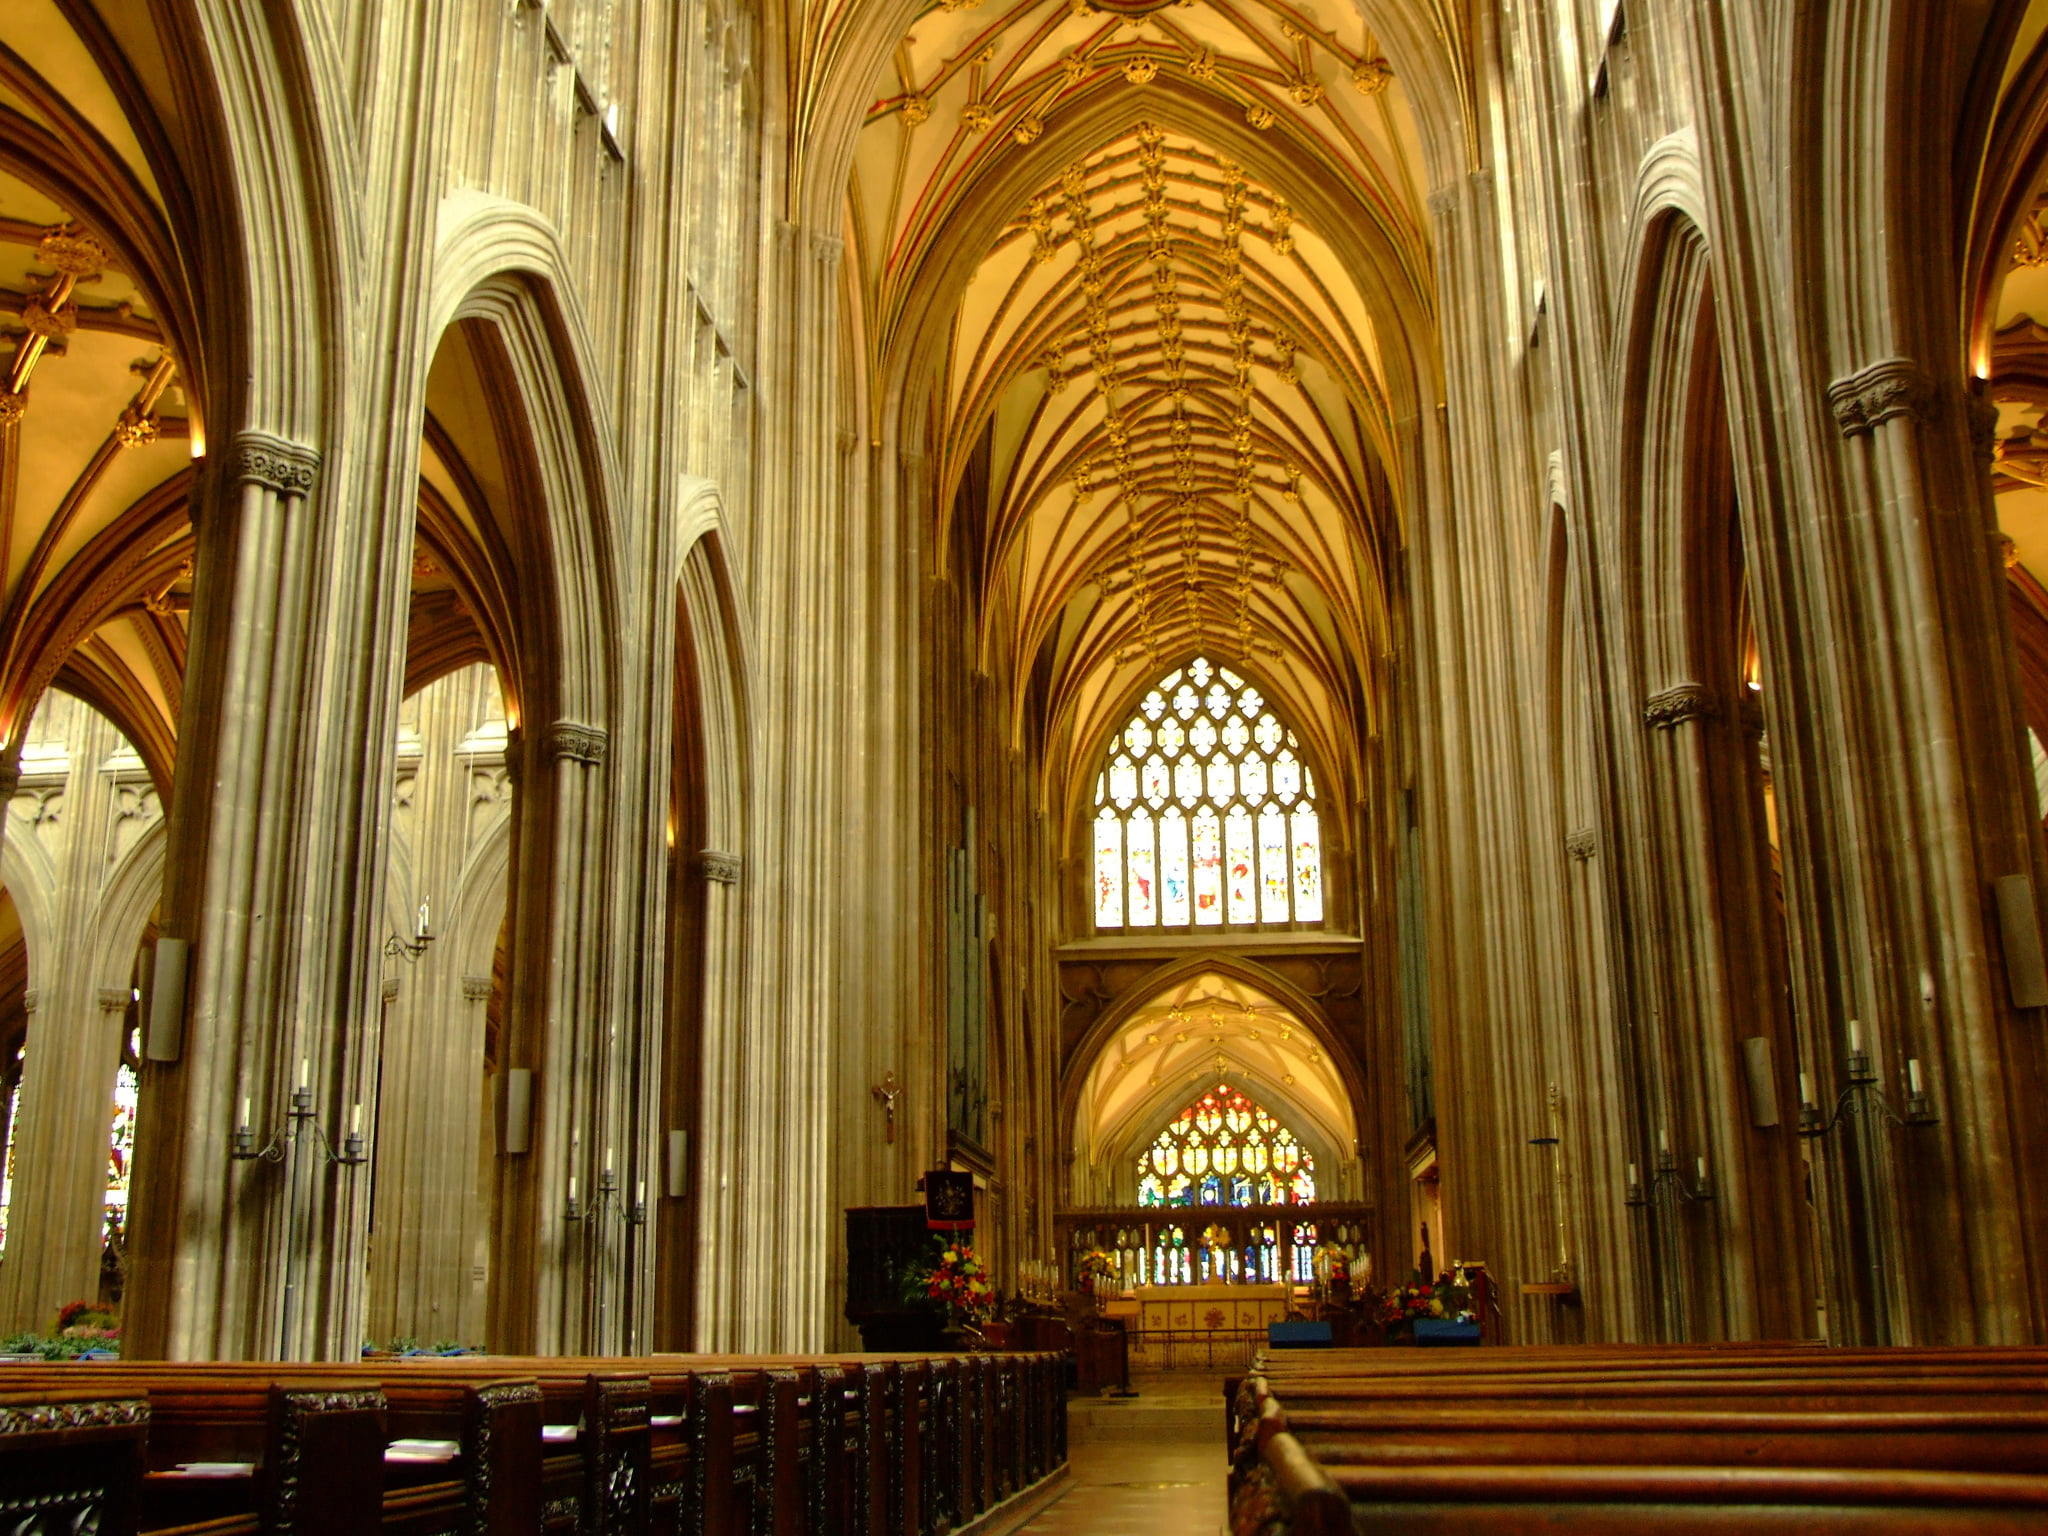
[(1152, 1465)]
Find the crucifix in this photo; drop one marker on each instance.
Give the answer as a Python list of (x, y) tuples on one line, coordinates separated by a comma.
[(886, 1093)]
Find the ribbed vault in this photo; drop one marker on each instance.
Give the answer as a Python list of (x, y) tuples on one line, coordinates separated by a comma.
[(1159, 278)]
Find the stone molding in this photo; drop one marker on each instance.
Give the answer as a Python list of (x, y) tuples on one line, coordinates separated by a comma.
[(31, 997), (1580, 844), (574, 740), (113, 999), (1984, 429), (1895, 387), (1679, 703), (476, 988), (276, 463), (719, 868), (828, 250)]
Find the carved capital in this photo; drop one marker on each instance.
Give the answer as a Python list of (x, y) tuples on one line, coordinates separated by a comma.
[(390, 989), (10, 778), (1580, 845), (1679, 703), (476, 988), (113, 999), (1895, 387), (30, 998), (574, 740), (719, 868), (827, 250), (259, 458)]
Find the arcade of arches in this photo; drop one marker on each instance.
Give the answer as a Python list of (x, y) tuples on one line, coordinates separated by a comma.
[(1424, 609)]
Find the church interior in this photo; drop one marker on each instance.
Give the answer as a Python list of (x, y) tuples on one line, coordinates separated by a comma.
[(1349, 664)]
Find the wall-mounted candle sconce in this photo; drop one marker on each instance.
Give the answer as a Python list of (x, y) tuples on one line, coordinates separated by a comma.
[(607, 1198), (411, 949), (299, 1122), (1665, 1176), (1861, 1096)]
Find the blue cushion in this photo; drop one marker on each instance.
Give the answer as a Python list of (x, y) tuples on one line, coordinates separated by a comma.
[(1298, 1335), (1441, 1330)]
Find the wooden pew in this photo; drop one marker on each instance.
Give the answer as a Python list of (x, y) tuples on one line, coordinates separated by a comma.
[(869, 1445), (72, 1461), (1688, 1440)]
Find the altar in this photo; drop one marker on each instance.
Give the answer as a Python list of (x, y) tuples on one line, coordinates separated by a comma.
[(1204, 1308)]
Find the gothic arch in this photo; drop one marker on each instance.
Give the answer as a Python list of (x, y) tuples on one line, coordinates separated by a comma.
[(128, 905), (499, 264), (1081, 1060)]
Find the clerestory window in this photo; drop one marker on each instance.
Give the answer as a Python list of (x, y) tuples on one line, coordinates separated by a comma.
[(1205, 812)]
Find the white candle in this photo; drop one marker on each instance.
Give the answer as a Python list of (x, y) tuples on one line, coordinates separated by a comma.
[(1702, 1164), (1805, 1090), (355, 1120), (1855, 1038), (423, 919), (1913, 1074), (1663, 1140), (305, 1070), (245, 1111), (640, 1192), (607, 1159), (572, 1189), (1633, 1180)]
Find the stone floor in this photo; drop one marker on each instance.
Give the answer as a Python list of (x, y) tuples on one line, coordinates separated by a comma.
[(1151, 1465)]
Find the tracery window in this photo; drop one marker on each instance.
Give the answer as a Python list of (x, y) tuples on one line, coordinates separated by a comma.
[(1225, 1150), (121, 1140), (1205, 812)]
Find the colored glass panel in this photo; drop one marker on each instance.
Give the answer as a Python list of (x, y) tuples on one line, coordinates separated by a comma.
[(1274, 873), (1238, 871), (1143, 865), (1109, 871), (1230, 1151), (1308, 865), (1173, 869), (1208, 867)]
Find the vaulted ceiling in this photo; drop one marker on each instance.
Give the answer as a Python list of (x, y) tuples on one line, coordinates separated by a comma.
[(1157, 273)]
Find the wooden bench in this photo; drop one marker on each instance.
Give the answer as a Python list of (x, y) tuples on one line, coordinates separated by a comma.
[(72, 1461), (1749, 1438), (873, 1445)]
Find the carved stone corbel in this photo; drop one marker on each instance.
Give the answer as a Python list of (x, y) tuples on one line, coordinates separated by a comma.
[(1580, 845), (1679, 703), (1866, 400), (277, 463), (719, 868), (476, 989), (113, 999), (576, 741)]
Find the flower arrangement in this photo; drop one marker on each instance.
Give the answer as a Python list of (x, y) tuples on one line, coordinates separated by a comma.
[(960, 1280), (1443, 1297), (83, 1328), (1095, 1267)]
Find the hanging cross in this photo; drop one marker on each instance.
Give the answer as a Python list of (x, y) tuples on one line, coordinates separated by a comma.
[(886, 1093)]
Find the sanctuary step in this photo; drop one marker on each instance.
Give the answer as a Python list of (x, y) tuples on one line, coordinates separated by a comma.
[(871, 1445), (1676, 1439)]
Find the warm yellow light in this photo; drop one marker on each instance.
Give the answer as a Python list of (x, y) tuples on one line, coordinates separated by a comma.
[(197, 434)]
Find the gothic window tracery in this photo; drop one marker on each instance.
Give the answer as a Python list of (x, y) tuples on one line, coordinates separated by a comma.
[(1205, 812), (1225, 1150)]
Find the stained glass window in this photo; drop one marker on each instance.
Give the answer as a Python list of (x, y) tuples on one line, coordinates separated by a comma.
[(1205, 812), (121, 1140), (13, 1124), (1225, 1150)]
